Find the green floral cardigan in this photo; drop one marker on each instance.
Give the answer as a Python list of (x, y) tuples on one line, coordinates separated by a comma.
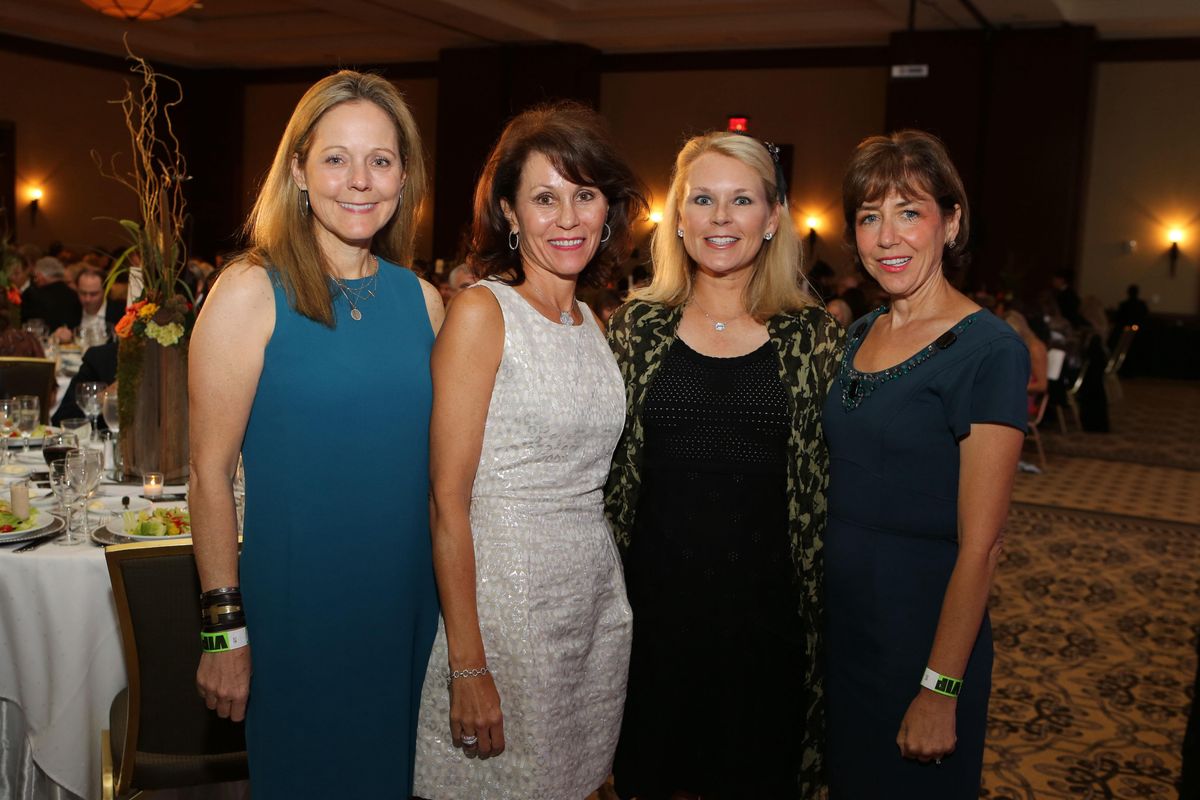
[(809, 345)]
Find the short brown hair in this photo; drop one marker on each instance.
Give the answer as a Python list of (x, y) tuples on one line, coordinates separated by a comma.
[(911, 163), (576, 141)]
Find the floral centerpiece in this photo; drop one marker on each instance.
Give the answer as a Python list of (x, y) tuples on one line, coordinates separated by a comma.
[(153, 335), (9, 258)]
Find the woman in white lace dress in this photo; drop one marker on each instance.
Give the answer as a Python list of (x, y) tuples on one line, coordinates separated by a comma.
[(526, 683)]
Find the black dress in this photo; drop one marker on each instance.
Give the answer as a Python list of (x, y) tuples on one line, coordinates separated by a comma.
[(712, 585), (891, 544)]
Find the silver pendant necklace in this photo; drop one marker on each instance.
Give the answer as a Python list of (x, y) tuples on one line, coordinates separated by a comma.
[(564, 317), (361, 293), (718, 325)]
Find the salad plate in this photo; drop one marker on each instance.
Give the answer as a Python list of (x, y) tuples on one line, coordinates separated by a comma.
[(55, 526), (155, 524), (16, 438), (113, 505), (20, 530)]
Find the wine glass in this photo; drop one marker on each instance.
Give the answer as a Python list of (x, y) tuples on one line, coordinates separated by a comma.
[(111, 409), (8, 423), (87, 395), (86, 468), (66, 485), (58, 445), (29, 414), (80, 426)]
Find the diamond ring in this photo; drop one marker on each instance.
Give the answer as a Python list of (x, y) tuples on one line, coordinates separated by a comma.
[(471, 741)]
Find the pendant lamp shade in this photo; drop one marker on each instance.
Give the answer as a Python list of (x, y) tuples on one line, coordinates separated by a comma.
[(146, 10)]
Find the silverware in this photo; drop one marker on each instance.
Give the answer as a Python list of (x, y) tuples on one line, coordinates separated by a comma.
[(36, 543)]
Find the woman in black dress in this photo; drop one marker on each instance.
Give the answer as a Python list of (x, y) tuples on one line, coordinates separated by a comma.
[(717, 492), (925, 424)]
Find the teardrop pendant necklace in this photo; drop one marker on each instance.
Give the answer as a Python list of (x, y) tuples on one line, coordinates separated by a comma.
[(361, 293), (564, 317)]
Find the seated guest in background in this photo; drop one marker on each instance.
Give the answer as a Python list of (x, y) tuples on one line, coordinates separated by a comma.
[(20, 272), (925, 425), (339, 604), (1038, 364), (526, 681), (51, 300), (15, 341), (839, 309), (99, 364), (97, 310), (717, 490), (459, 278)]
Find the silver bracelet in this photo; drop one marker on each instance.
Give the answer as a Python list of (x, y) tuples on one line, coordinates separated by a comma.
[(478, 672)]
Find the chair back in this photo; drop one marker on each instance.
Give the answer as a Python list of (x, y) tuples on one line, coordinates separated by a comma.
[(157, 594), (34, 376), (1117, 359), (1036, 419)]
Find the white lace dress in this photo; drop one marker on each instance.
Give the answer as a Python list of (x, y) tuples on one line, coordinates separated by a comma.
[(552, 608)]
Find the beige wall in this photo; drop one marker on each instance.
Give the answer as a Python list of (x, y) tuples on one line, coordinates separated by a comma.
[(268, 108), (60, 114), (1144, 179), (823, 113)]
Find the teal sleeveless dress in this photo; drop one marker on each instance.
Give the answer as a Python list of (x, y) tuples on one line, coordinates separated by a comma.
[(336, 567)]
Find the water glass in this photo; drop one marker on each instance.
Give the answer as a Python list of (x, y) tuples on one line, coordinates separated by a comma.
[(80, 426), (88, 395), (67, 487), (8, 424), (29, 415), (86, 467)]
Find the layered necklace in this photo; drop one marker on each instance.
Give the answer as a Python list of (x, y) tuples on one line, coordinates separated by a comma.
[(564, 317), (356, 295), (719, 325)]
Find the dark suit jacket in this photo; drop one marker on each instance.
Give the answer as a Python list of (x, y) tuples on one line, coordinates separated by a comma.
[(99, 364), (55, 303)]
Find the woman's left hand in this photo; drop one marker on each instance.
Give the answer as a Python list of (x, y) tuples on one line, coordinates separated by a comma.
[(927, 732)]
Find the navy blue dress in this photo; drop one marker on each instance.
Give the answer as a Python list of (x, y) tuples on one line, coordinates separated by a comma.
[(891, 544), (337, 570)]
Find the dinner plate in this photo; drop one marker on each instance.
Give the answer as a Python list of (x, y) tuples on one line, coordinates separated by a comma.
[(113, 505), (35, 438), (117, 526), (56, 527), (42, 520), (15, 472)]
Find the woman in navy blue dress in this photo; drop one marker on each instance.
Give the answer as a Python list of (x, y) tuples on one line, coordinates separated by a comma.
[(311, 358), (925, 424)]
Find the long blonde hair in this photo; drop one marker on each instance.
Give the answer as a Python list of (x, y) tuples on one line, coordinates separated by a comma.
[(775, 283), (282, 236)]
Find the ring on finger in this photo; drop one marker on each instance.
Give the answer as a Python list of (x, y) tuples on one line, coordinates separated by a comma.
[(470, 741), (937, 762)]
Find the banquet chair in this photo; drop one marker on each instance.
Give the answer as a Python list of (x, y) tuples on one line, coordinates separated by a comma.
[(161, 735), (1033, 433), (29, 376), (1072, 403), (1112, 382)]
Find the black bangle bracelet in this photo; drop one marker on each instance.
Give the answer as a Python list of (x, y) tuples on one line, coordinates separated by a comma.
[(224, 625), (222, 590)]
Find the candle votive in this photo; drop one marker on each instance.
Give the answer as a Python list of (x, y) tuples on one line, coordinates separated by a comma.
[(152, 485)]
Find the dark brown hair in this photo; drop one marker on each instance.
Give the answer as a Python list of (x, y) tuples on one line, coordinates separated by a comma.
[(912, 163), (575, 139)]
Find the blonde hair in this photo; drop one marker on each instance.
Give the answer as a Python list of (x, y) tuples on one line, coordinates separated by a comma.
[(282, 235), (775, 283)]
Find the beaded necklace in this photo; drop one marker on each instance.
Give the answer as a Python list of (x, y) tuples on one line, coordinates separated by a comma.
[(858, 386)]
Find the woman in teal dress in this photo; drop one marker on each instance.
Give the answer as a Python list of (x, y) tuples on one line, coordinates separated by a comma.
[(925, 423), (311, 358)]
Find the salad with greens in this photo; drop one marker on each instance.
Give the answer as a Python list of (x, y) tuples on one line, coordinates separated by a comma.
[(158, 522), (9, 522)]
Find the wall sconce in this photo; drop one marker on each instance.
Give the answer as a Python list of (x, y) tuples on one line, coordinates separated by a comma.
[(35, 196), (812, 222), (656, 217), (1174, 236)]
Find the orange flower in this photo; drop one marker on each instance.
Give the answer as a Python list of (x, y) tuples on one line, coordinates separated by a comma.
[(14, 296), (124, 328)]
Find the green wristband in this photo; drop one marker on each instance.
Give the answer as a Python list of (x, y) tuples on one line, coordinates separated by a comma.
[(224, 641), (941, 684)]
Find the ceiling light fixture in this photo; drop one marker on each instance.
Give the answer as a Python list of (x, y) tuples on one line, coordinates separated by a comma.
[(143, 10)]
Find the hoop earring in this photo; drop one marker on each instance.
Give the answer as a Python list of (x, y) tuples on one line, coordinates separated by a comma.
[(607, 234), (514, 240), (305, 208)]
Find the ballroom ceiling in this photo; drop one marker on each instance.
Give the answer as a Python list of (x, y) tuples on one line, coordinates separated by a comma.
[(290, 33)]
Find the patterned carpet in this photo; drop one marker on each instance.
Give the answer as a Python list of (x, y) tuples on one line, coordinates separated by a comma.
[(1094, 619), (1156, 422), (1096, 607)]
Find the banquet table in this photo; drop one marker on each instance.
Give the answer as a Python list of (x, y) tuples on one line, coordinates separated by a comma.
[(61, 664)]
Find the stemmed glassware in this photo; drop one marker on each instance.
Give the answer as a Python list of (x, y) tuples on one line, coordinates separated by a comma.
[(66, 485), (87, 467), (111, 410), (58, 445), (29, 414), (88, 395), (8, 423)]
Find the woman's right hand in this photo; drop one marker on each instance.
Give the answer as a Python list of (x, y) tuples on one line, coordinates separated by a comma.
[(475, 711), (223, 680)]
